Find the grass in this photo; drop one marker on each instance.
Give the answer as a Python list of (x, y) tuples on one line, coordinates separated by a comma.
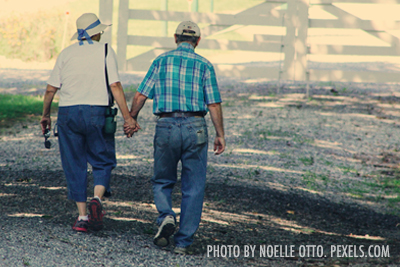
[(15, 108), (308, 161), (39, 36)]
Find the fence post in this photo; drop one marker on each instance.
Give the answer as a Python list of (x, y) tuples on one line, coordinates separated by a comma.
[(164, 6), (105, 16), (195, 5), (290, 38), (295, 45), (123, 19), (301, 40)]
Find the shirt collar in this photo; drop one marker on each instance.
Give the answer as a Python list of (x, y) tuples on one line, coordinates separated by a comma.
[(185, 46)]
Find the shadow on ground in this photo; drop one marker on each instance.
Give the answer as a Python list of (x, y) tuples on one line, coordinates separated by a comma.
[(233, 215)]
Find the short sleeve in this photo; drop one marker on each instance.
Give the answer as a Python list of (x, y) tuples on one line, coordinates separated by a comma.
[(112, 66), (55, 76), (146, 87), (211, 91)]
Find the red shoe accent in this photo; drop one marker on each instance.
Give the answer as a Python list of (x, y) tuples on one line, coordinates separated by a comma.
[(96, 215), (80, 226)]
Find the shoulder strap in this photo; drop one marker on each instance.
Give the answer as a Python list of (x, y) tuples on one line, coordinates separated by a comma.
[(110, 95)]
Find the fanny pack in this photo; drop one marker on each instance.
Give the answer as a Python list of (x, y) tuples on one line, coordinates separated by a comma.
[(110, 125)]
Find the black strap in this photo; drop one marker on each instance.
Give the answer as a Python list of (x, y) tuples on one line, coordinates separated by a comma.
[(110, 95)]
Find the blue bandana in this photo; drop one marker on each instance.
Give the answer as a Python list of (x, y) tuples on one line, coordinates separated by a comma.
[(82, 33)]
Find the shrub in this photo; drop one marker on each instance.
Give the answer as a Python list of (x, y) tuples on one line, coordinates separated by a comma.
[(33, 37)]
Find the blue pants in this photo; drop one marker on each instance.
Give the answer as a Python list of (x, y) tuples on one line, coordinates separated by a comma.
[(184, 139), (81, 139)]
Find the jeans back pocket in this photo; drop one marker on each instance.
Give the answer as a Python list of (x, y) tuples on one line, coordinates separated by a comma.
[(201, 135)]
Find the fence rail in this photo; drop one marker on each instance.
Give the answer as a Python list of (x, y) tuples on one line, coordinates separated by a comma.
[(293, 44)]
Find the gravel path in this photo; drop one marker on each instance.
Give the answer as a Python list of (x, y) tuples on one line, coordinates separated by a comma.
[(296, 171)]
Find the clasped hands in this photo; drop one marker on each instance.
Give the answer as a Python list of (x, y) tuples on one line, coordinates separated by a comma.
[(130, 127)]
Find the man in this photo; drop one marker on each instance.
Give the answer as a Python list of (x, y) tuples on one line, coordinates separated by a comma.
[(79, 75), (184, 87)]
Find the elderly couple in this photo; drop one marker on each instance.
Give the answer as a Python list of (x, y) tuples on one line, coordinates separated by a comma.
[(184, 88)]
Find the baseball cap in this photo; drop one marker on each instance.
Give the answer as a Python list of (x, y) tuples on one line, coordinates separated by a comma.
[(188, 28)]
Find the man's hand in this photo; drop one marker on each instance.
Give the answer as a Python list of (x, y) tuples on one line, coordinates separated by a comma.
[(219, 145), (217, 119), (45, 122), (130, 127)]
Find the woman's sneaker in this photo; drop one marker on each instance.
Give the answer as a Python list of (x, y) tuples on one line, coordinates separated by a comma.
[(80, 225), (96, 214), (166, 229)]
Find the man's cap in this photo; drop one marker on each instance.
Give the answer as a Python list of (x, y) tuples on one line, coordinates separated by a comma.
[(89, 23), (188, 28)]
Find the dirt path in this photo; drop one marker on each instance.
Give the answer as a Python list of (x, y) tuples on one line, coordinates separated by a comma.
[(321, 171)]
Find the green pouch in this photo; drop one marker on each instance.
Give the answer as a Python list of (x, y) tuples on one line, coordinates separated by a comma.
[(110, 126)]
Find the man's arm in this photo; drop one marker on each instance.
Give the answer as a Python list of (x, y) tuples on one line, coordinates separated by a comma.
[(45, 122), (130, 125), (217, 119), (137, 104)]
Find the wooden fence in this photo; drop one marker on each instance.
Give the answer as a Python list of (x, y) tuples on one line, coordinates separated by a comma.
[(293, 44)]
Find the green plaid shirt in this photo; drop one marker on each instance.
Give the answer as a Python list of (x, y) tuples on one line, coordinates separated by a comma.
[(181, 80)]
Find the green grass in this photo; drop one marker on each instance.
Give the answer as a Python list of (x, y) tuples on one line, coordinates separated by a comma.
[(308, 161), (18, 107)]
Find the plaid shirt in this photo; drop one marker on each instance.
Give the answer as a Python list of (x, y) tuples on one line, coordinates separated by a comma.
[(181, 80)]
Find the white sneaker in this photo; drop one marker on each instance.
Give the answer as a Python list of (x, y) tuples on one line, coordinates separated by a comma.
[(182, 251), (166, 229)]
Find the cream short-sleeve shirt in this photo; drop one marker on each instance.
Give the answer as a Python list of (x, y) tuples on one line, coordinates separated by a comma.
[(79, 72)]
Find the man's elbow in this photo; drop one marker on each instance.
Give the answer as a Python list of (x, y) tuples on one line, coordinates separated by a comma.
[(140, 96), (214, 105)]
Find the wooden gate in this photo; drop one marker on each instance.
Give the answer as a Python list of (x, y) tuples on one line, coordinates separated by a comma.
[(292, 15)]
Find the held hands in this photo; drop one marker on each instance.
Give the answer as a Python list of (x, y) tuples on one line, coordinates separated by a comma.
[(219, 145), (130, 127)]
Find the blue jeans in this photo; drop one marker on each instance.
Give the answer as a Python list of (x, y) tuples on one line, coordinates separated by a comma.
[(184, 139), (81, 140)]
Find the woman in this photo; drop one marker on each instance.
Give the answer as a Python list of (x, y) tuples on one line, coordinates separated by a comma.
[(79, 76)]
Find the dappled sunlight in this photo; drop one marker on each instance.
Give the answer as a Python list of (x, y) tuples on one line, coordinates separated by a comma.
[(26, 215), (127, 156), (265, 168), (354, 115), (258, 97), (314, 192), (130, 219), (327, 144), (227, 218), (136, 205), (30, 136), (253, 151), (270, 105), (346, 159), (53, 187), (246, 117), (278, 186), (130, 159), (7, 195), (22, 184), (134, 162)]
